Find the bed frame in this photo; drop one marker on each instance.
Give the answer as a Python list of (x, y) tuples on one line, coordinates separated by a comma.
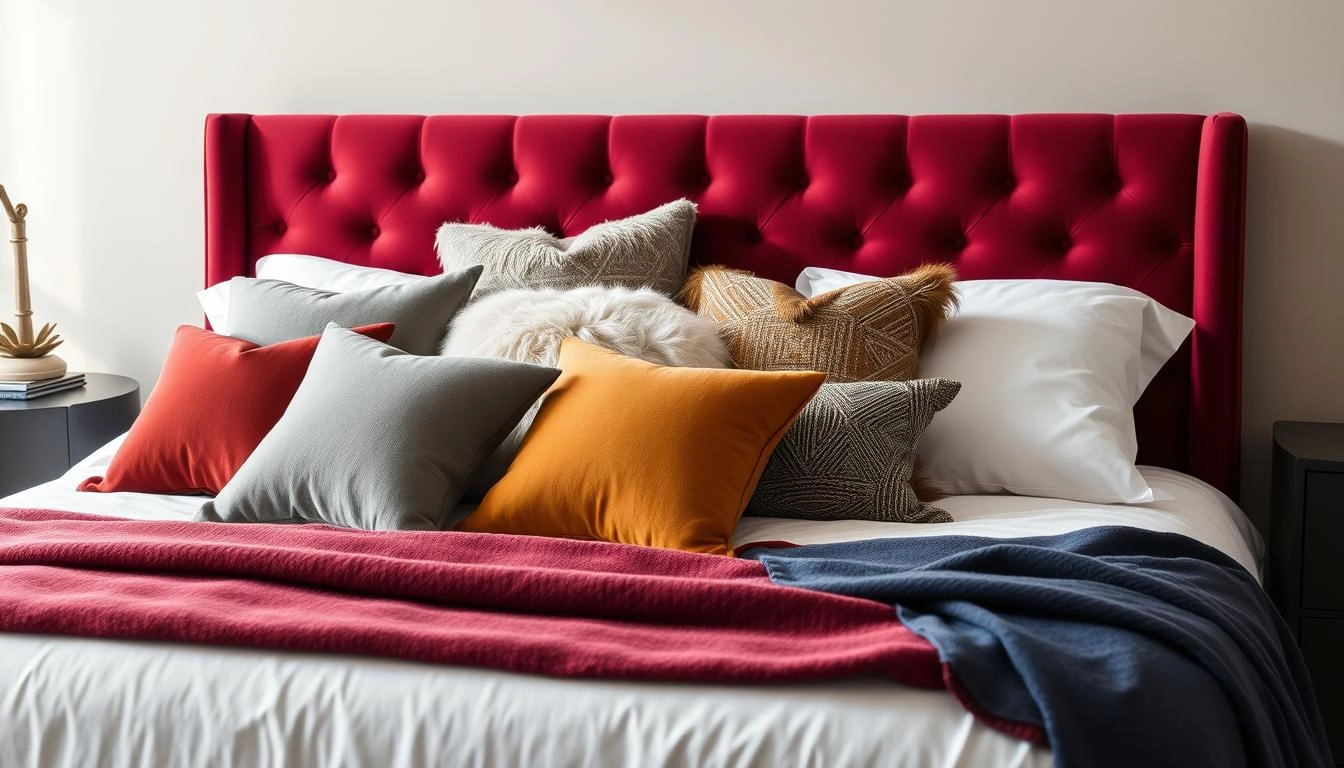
[(1154, 202)]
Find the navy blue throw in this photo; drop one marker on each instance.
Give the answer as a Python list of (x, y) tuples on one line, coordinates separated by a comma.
[(1128, 647)]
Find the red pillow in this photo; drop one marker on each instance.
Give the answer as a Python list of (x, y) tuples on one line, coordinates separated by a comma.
[(216, 399)]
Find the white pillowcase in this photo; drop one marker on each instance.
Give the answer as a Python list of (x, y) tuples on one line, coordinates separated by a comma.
[(307, 271), (1050, 372)]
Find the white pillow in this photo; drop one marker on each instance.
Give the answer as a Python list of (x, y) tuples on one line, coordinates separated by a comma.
[(307, 271), (1050, 372)]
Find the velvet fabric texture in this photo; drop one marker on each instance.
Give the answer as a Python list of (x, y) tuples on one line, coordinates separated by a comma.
[(527, 326), (633, 452), (1150, 201), (216, 399)]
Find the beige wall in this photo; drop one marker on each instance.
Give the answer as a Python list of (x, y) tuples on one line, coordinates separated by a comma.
[(101, 107)]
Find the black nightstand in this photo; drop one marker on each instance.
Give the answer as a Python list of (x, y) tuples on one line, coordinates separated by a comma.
[(41, 438), (1306, 566)]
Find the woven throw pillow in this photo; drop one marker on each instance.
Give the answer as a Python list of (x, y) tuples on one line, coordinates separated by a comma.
[(379, 439), (871, 331), (270, 311), (528, 325), (851, 454), (647, 250)]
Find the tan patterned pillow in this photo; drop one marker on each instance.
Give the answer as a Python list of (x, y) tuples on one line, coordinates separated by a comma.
[(870, 331)]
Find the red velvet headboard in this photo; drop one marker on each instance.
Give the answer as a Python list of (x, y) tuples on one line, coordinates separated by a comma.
[(1155, 202)]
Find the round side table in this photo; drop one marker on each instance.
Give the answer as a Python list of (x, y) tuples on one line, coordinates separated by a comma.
[(41, 438)]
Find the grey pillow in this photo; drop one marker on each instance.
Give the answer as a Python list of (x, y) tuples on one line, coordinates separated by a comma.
[(271, 311), (376, 438), (647, 250), (851, 454)]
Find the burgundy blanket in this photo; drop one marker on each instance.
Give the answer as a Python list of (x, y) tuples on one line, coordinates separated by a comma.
[(548, 606)]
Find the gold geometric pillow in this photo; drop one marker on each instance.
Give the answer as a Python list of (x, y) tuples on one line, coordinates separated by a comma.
[(870, 331)]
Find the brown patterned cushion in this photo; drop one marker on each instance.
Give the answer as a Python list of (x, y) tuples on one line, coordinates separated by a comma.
[(871, 331)]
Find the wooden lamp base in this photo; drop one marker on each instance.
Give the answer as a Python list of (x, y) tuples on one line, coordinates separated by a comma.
[(31, 368)]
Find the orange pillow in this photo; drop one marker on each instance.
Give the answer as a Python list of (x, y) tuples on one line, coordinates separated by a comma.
[(633, 452), (217, 397)]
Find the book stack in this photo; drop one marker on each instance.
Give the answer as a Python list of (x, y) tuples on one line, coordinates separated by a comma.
[(27, 390)]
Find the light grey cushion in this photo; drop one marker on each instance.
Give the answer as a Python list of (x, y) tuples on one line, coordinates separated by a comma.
[(647, 250), (851, 454), (376, 438), (271, 311)]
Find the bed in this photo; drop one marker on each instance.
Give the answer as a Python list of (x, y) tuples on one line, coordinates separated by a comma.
[(1152, 202)]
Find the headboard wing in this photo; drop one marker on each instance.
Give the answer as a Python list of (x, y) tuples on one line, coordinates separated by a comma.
[(1155, 202)]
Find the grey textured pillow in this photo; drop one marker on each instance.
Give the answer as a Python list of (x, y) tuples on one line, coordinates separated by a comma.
[(271, 311), (647, 250), (376, 438), (851, 454)]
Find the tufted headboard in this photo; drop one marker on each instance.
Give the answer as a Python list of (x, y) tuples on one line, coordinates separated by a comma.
[(1155, 202)]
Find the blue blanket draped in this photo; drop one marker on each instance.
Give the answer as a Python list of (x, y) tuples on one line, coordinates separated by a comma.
[(1129, 647)]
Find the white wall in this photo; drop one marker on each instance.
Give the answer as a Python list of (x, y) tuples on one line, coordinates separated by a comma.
[(101, 108)]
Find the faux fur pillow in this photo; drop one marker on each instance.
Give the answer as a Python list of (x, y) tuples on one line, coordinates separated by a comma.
[(647, 250), (870, 331), (851, 454), (528, 325)]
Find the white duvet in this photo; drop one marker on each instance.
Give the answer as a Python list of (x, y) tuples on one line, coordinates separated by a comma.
[(76, 702)]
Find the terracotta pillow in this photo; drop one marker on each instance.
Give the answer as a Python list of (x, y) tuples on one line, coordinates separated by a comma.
[(871, 331), (633, 452), (217, 397)]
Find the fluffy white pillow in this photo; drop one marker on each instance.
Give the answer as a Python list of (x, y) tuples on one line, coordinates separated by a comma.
[(527, 325), (307, 271), (1050, 372)]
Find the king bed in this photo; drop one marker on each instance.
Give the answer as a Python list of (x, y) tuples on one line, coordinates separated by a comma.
[(1149, 202)]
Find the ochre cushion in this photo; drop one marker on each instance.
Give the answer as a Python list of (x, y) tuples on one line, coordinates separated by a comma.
[(217, 397), (871, 331), (633, 452)]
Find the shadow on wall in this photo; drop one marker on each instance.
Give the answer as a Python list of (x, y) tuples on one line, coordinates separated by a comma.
[(1294, 297)]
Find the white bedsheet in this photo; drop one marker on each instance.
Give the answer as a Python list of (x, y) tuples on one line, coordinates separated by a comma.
[(73, 702)]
